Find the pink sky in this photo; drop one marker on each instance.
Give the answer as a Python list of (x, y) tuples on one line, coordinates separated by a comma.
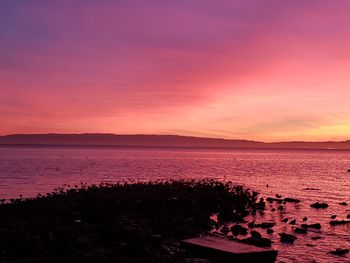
[(263, 70)]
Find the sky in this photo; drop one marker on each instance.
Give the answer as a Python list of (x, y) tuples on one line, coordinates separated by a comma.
[(259, 69)]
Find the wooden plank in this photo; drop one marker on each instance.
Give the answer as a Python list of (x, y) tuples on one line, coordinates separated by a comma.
[(225, 250)]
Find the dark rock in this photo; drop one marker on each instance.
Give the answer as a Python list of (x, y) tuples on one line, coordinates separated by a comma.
[(255, 234), (293, 222), (271, 200), (285, 220), (226, 216), (269, 231), (318, 205), (348, 216), (257, 240), (260, 206), (300, 230), (273, 209), (287, 238), (339, 251), (305, 218), (278, 196), (251, 224), (339, 222), (316, 237), (315, 226), (263, 225), (333, 216), (343, 203), (291, 200), (238, 230), (280, 208), (224, 229)]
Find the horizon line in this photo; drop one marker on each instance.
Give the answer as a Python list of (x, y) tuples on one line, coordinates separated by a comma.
[(174, 135)]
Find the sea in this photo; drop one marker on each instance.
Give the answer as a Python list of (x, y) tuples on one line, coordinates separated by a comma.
[(309, 175)]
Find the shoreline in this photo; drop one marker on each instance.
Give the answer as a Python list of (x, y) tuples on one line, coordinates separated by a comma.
[(126, 222)]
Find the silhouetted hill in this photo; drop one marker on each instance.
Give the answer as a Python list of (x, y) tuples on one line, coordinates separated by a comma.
[(157, 141)]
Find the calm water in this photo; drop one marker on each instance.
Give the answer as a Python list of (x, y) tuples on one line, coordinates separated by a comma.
[(29, 171)]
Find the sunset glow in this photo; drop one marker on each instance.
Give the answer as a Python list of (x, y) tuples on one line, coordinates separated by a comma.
[(260, 70)]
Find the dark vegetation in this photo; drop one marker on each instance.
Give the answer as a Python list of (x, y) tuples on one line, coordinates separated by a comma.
[(125, 222)]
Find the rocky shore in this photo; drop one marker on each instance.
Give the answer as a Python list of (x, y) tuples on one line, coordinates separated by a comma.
[(124, 222)]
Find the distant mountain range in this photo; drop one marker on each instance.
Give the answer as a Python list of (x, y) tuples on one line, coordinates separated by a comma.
[(98, 139)]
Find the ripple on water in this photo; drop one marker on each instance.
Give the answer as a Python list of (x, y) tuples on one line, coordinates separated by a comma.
[(28, 171)]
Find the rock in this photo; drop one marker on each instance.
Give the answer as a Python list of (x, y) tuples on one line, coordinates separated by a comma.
[(343, 203), (318, 205), (224, 229), (285, 220), (273, 209), (251, 224), (316, 237), (339, 251), (333, 216), (293, 222), (257, 240), (280, 208), (226, 216), (305, 218), (255, 234), (287, 238), (271, 200), (348, 170), (315, 226), (348, 216), (238, 230), (264, 242), (339, 222), (291, 200), (260, 205), (278, 196), (300, 230), (263, 225), (269, 231)]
